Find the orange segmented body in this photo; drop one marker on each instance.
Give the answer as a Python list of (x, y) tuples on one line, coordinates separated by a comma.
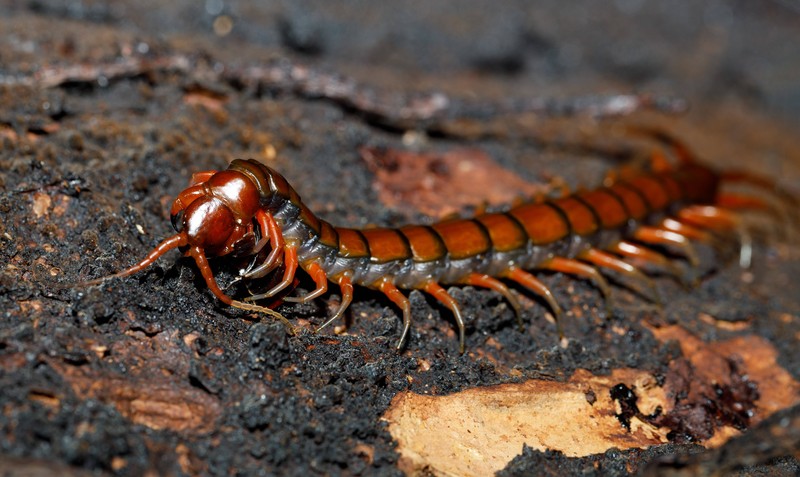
[(249, 206)]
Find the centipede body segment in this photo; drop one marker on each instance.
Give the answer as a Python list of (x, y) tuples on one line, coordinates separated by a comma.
[(251, 210)]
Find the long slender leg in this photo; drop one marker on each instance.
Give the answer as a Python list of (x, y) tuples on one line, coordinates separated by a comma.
[(320, 279), (686, 230), (533, 284), (653, 235), (639, 252), (400, 300), (205, 270), (790, 202), (606, 260), (574, 267), (346, 285), (485, 281), (709, 216), (270, 229), (780, 218), (290, 262), (441, 294), (716, 218), (730, 200)]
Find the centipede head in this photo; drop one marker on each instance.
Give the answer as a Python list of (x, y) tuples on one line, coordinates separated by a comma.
[(217, 215), (212, 218)]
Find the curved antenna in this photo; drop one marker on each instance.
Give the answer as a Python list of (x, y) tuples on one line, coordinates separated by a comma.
[(175, 241)]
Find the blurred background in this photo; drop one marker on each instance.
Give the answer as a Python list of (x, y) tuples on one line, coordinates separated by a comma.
[(704, 50)]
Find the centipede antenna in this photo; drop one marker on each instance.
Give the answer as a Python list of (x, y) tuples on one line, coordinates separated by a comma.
[(175, 241), (441, 294), (574, 267), (205, 270), (261, 309)]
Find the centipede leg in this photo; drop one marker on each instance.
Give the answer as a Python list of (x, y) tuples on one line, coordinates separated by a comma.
[(657, 236), (686, 230), (791, 202), (638, 252), (320, 279), (730, 200), (400, 300), (485, 281), (205, 270), (533, 284), (574, 267), (290, 263), (269, 228), (716, 218), (743, 202), (441, 294), (346, 285), (606, 260)]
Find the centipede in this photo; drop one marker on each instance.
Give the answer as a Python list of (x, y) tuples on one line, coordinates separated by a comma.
[(249, 210)]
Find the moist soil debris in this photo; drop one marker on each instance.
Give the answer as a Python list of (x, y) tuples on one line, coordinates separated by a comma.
[(107, 110)]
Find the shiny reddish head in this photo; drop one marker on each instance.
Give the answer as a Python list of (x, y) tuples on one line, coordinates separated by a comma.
[(217, 215), (213, 216)]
